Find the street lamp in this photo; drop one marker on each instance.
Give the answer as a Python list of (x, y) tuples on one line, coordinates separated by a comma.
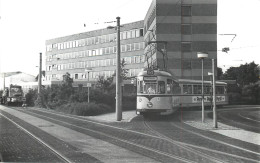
[(202, 56), (88, 84), (118, 73)]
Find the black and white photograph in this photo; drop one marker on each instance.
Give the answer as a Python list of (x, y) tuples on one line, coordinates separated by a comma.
[(130, 81)]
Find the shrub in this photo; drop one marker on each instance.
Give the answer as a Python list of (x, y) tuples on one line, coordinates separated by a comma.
[(84, 109), (31, 96)]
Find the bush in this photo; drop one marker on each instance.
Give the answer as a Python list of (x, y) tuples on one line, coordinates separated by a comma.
[(129, 103), (31, 96), (84, 109)]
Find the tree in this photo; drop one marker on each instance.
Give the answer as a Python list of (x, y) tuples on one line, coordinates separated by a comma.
[(244, 74), (253, 92), (124, 71), (105, 84), (219, 73), (66, 89)]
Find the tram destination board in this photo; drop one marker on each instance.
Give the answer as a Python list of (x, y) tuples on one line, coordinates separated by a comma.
[(150, 78)]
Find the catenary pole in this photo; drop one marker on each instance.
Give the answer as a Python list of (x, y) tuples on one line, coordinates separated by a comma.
[(40, 75), (118, 75), (215, 123)]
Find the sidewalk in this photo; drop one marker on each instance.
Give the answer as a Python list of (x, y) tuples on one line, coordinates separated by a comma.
[(193, 118), (127, 116)]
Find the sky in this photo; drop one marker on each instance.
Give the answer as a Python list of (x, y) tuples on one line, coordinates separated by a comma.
[(25, 25)]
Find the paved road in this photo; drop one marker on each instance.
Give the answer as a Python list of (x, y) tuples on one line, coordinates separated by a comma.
[(153, 139)]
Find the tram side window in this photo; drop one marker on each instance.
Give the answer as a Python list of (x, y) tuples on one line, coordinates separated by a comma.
[(207, 89), (220, 90), (169, 86), (176, 89), (161, 87), (197, 89), (187, 89)]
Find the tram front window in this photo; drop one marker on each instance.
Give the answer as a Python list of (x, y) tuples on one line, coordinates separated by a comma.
[(150, 88)]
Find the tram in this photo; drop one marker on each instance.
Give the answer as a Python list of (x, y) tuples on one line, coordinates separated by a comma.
[(159, 92), (191, 93)]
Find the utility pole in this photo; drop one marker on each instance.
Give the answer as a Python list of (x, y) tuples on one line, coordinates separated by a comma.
[(118, 75), (215, 123), (4, 80), (40, 75)]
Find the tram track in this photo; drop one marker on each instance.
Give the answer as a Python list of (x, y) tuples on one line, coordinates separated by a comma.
[(238, 123), (61, 157), (143, 147), (156, 135), (123, 140), (180, 144)]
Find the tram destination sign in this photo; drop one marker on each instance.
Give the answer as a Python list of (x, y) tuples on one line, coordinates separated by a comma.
[(149, 78)]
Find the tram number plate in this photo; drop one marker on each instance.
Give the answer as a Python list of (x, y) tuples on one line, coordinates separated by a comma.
[(150, 72)]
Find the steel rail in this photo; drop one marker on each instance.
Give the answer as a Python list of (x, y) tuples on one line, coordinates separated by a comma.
[(122, 140), (136, 132), (237, 122), (239, 114), (62, 157), (203, 148), (221, 142), (183, 145), (90, 121)]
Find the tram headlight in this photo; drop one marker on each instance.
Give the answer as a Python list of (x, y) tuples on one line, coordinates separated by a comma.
[(149, 104)]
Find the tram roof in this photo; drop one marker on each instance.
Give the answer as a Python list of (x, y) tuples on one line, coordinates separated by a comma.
[(199, 81), (156, 73)]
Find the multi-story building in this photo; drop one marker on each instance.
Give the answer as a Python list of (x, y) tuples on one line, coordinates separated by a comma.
[(96, 52), (176, 30), (171, 35)]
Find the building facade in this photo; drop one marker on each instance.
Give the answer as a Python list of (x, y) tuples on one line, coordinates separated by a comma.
[(93, 54), (176, 30), (169, 37)]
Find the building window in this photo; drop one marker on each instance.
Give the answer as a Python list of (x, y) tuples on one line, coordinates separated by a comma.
[(128, 34), (186, 10), (186, 46), (107, 50), (133, 34), (124, 36), (111, 38), (142, 32), (114, 49), (93, 52), (186, 29), (107, 38), (123, 49), (137, 33), (128, 47), (76, 76), (101, 51), (142, 45), (137, 46)]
